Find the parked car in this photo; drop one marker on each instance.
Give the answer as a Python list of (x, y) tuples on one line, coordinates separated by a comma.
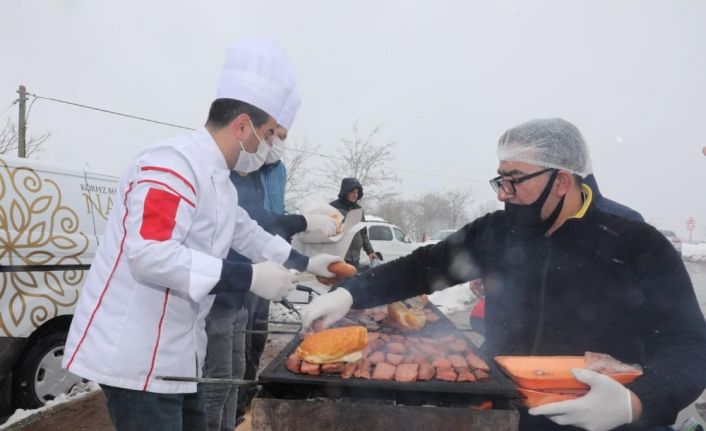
[(673, 238), (387, 239), (438, 236), (52, 221)]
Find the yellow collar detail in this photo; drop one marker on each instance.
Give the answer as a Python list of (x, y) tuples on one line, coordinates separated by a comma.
[(587, 198)]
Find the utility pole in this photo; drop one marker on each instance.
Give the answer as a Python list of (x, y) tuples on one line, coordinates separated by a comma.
[(22, 129)]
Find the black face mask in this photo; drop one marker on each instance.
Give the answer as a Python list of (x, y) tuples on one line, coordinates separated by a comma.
[(530, 216)]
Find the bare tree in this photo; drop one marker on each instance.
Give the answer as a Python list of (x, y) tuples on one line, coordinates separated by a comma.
[(458, 202), (399, 212), (296, 158), (484, 208), (362, 158), (9, 140), (431, 214)]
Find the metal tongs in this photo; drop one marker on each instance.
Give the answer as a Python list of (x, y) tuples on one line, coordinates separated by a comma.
[(225, 381), (287, 304), (207, 380)]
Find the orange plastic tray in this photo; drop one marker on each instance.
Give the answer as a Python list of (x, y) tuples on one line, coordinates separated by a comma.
[(550, 372), (537, 398)]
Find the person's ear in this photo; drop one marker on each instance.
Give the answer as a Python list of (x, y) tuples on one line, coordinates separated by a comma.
[(564, 182), (239, 125)]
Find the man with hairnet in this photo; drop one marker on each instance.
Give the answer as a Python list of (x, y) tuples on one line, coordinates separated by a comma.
[(140, 317), (561, 278)]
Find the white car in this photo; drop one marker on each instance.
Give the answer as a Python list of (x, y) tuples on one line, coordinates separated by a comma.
[(387, 239), (439, 236)]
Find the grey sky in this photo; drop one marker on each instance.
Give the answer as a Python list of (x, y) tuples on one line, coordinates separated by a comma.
[(445, 79)]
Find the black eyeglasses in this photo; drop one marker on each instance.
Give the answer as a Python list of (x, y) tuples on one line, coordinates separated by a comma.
[(508, 186)]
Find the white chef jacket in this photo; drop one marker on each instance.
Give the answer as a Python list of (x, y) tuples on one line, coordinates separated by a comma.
[(141, 312)]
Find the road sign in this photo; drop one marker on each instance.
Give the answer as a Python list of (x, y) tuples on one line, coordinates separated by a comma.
[(691, 223)]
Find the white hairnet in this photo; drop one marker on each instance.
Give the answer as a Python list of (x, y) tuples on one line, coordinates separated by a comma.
[(550, 143)]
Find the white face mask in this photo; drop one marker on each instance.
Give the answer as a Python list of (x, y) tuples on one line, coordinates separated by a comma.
[(276, 151), (250, 162)]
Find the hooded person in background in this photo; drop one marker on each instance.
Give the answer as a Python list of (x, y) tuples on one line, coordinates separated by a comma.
[(351, 192), (140, 316), (561, 277)]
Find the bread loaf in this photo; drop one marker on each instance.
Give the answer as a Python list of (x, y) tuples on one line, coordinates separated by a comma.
[(406, 318), (334, 345)]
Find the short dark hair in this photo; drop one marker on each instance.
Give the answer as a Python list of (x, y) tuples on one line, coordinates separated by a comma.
[(578, 179), (223, 111)]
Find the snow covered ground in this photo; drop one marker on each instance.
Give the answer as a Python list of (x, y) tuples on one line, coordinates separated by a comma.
[(79, 391), (694, 252), (453, 299)]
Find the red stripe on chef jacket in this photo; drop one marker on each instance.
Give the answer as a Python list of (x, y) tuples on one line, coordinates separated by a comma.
[(159, 215), (156, 344), (107, 282), (166, 186), (172, 172)]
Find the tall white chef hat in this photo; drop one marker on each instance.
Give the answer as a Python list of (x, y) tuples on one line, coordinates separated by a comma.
[(290, 109), (257, 71)]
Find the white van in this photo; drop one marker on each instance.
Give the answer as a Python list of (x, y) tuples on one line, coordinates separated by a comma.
[(51, 220), (387, 239)]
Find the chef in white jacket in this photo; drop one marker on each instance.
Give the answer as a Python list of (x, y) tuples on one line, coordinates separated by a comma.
[(161, 260)]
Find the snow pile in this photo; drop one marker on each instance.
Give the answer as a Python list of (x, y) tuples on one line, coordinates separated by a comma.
[(694, 252), (280, 313), (79, 391), (454, 299)]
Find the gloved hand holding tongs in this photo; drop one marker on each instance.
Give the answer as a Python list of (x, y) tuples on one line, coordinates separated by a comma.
[(339, 272), (271, 280)]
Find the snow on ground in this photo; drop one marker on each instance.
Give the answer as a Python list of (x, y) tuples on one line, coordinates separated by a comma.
[(77, 392), (694, 252), (453, 299), (280, 313)]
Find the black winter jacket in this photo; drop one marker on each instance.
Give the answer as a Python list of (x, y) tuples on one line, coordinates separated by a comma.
[(608, 205), (599, 283), (360, 240)]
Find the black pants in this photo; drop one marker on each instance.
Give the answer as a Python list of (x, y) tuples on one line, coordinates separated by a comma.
[(132, 410), (258, 314)]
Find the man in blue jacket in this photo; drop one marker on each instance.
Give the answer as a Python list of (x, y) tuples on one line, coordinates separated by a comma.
[(231, 352), (561, 277)]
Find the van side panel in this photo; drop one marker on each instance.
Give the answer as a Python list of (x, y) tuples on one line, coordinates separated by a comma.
[(50, 222)]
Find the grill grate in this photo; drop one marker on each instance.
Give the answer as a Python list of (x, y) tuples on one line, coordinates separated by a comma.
[(280, 382)]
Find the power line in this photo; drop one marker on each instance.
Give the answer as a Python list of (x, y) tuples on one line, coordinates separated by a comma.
[(29, 110), (110, 112), (411, 171), (11, 105), (191, 128)]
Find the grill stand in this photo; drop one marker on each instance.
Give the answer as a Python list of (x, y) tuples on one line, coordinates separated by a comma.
[(278, 414)]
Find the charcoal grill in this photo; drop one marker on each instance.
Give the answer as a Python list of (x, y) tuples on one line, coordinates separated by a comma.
[(290, 401)]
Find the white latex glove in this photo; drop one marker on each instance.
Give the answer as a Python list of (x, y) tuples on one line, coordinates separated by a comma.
[(324, 223), (606, 405), (331, 306), (271, 281), (318, 265)]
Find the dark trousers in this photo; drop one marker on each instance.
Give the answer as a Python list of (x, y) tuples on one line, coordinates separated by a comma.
[(258, 314), (132, 410)]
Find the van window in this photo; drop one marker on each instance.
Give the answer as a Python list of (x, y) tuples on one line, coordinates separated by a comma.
[(379, 233), (401, 237)]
